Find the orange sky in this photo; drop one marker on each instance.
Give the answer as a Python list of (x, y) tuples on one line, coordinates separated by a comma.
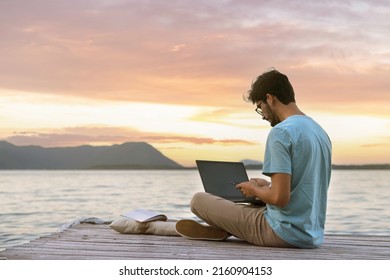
[(173, 73)]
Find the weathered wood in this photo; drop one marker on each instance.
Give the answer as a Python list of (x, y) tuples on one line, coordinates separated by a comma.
[(93, 242)]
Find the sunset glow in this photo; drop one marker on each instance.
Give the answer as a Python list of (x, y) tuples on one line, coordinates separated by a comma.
[(173, 74)]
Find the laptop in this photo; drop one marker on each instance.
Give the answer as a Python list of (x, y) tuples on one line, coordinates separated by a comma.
[(219, 177)]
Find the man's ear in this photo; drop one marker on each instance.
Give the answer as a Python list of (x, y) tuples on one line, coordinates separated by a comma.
[(272, 99)]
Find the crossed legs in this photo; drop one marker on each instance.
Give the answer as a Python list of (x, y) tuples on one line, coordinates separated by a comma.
[(246, 222)]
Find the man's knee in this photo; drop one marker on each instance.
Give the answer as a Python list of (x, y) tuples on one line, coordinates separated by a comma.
[(196, 199)]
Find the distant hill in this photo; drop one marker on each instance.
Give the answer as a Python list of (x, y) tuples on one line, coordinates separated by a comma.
[(252, 164), (362, 167), (130, 155)]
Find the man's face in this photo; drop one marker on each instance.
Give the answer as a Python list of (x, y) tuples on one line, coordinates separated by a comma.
[(265, 111)]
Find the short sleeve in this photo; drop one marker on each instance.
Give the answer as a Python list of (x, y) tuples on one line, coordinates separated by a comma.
[(278, 152)]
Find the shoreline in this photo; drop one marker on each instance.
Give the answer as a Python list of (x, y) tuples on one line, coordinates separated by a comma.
[(248, 167)]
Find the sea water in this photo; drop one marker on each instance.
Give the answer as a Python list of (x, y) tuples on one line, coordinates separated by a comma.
[(37, 203)]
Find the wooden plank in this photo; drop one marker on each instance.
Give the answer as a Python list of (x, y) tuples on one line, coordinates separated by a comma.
[(71, 248), (88, 241)]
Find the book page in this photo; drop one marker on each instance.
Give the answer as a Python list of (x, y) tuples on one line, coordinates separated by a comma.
[(142, 215)]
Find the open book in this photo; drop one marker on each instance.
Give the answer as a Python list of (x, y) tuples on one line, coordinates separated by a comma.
[(142, 215)]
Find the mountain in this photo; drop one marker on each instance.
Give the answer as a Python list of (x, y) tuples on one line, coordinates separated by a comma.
[(252, 164), (130, 155)]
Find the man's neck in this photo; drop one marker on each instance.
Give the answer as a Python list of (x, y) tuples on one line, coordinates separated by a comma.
[(289, 110)]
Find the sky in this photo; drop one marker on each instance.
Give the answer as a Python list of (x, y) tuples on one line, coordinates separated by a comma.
[(174, 73)]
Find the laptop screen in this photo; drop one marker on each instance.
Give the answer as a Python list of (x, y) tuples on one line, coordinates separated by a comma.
[(218, 176)]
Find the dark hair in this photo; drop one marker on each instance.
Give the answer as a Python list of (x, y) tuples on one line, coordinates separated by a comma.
[(274, 83)]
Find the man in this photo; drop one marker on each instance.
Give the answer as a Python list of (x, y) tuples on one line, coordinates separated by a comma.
[(297, 160)]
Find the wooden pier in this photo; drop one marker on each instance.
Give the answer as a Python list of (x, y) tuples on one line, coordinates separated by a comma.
[(99, 241)]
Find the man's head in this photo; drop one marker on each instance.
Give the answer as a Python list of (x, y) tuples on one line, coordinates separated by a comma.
[(274, 83), (272, 93)]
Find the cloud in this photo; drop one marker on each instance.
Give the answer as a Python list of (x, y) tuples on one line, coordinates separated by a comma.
[(375, 145), (62, 139), (194, 52), (196, 140), (385, 143), (76, 136)]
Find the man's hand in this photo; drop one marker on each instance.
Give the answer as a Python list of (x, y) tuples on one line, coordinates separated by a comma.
[(278, 194), (248, 189)]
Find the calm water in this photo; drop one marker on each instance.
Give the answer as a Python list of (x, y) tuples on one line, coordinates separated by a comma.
[(35, 203)]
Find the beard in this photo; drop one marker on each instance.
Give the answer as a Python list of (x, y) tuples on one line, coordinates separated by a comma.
[(271, 118)]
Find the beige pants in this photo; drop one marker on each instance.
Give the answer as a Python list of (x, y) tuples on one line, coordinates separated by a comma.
[(246, 222)]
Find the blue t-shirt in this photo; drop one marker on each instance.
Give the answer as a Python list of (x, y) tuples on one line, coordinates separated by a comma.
[(300, 147)]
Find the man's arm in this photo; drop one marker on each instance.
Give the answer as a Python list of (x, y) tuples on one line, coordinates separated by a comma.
[(278, 194)]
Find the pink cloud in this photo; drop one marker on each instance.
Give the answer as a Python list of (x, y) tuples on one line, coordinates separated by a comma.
[(199, 52), (107, 136)]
